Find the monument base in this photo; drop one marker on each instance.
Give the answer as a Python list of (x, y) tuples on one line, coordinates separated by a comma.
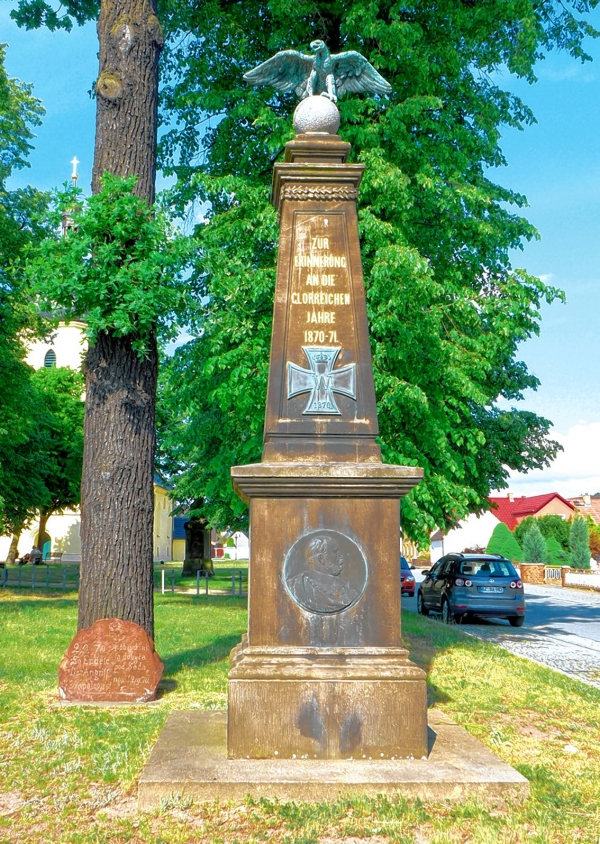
[(190, 760), (325, 703), (191, 566)]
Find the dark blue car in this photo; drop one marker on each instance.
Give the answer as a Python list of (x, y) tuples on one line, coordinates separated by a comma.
[(462, 585)]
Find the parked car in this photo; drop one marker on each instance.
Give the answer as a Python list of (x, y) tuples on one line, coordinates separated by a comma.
[(407, 578), (461, 585)]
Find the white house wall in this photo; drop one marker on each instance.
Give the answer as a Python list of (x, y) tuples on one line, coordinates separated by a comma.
[(63, 530), (68, 344), (472, 532)]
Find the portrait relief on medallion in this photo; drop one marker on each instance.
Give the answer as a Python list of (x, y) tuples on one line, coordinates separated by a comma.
[(325, 572)]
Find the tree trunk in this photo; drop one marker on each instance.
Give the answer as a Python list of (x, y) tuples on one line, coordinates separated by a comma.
[(44, 516), (14, 547), (130, 40), (117, 491), (117, 482)]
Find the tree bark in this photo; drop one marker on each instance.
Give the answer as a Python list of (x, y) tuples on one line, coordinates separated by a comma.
[(44, 516), (117, 491), (117, 481), (130, 40), (14, 547)]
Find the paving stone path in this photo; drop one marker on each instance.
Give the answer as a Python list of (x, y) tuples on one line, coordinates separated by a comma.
[(561, 631), (554, 643)]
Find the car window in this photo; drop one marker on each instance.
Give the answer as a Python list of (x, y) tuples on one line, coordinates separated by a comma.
[(488, 568), (445, 568), (435, 569)]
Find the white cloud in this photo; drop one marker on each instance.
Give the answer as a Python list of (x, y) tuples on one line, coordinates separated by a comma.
[(575, 471)]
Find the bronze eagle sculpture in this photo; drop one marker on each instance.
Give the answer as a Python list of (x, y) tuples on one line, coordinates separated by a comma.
[(331, 76)]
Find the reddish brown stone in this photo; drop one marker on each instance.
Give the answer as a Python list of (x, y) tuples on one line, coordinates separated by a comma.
[(112, 661)]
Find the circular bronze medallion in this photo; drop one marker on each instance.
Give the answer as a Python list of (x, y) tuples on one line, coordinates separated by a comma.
[(325, 571)]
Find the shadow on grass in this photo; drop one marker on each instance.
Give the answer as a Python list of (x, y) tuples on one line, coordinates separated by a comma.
[(218, 649), (425, 640), (39, 603)]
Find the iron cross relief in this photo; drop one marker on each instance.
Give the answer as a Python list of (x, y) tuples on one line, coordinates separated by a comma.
[(321, 380)]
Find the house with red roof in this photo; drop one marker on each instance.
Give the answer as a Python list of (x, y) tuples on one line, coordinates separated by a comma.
[(512, 509), (588, 505), (474, 532)]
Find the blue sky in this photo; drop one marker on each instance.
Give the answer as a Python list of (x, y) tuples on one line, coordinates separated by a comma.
[(555, 163)]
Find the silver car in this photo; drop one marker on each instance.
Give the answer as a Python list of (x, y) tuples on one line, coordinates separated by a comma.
[(461, 585)]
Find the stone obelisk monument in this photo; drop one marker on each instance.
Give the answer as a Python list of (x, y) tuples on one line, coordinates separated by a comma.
[(322, 672), (323, 699)]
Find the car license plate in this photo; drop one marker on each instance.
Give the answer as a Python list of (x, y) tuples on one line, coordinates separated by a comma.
[(491, 589)]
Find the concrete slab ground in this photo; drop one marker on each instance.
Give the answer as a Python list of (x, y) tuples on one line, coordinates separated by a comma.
[(190, 759)]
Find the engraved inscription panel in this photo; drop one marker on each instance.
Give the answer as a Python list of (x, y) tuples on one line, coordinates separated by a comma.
[(325, 572), (112, 660), (321, 317)]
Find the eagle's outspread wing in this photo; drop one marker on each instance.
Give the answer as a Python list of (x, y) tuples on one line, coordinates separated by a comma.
[(352, 72), (287, 70)]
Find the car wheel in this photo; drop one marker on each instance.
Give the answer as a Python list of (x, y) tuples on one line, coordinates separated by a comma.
[(421, 608), (517, 620), (447, 616)]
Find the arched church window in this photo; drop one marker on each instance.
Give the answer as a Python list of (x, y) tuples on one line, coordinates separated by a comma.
[(50, 359)]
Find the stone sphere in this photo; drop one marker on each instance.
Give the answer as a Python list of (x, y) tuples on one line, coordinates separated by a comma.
[(316, 114)]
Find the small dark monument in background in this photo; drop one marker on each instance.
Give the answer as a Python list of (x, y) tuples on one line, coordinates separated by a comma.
[(322, 672), (111, 661), (197, 548)]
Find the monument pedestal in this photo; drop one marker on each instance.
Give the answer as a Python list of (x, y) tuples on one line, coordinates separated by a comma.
[(322, 673), (326, 703)]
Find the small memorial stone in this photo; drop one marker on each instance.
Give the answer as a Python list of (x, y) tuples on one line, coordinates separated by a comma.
[(112, 661)]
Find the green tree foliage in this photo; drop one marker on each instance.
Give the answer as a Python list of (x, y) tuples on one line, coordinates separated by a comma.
[(502, 541), (46, 464), (446, 309), (579, 544), (121, 264), (594, 537), (555, 553), (534, 545), (20, 210), (550, 526), (60, 393)]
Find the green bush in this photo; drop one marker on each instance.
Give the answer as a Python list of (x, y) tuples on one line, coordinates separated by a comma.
[(555, 554), (579, 543), (502, 541), (534, 545)]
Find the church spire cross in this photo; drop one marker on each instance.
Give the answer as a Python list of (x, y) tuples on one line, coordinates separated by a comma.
[(321, 380)]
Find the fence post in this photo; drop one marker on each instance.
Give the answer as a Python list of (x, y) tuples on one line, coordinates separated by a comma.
[(206, 583), (77, 578), (240, 575), (172, 581), (162, 581), (233, 584), (64, 578), (47, 576), (198, 583)]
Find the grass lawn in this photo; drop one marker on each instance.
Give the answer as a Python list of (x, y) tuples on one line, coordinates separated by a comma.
[(68, 774)]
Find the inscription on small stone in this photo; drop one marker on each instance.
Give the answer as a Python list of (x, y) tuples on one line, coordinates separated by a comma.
[(112, 661), (325, 572)]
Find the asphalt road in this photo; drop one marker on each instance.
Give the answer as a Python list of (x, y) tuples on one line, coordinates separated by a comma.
[(561, 630)]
